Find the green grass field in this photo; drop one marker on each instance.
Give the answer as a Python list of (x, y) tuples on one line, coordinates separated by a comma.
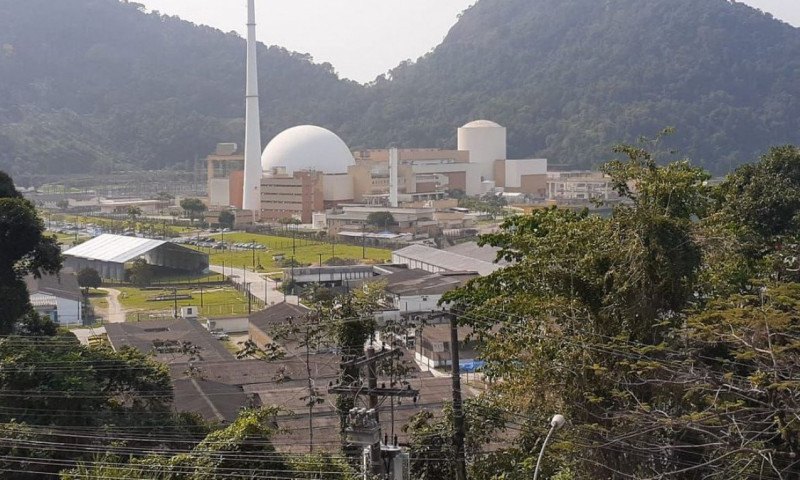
[(213, 302), (305, 252), (98, 298)]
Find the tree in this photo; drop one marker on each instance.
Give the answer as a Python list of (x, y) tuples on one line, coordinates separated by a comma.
[(133, 212), (62, 204), (140, 273), (24, 249), (193, 208), (381, 219), (89, 278), (243, 449), (226, 219), (586, 295)]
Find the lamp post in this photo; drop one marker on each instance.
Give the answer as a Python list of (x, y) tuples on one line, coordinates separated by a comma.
[(556, 423)]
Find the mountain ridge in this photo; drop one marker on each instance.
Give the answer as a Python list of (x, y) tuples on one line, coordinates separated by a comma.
[(92, 85)]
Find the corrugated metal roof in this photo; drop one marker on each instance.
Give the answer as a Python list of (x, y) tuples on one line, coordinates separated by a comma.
[(114, 248), (443, 259)]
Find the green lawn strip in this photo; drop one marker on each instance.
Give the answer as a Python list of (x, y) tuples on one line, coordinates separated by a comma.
[(305, 251), (216, 302), (98, 298)]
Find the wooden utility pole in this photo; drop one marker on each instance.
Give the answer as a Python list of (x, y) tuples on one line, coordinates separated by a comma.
[(373, 392), (458, 412)]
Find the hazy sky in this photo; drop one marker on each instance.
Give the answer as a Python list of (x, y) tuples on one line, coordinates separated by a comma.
[(360, 38)]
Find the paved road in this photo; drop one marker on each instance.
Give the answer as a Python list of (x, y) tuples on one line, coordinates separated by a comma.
[(260, 286), (114, 313)]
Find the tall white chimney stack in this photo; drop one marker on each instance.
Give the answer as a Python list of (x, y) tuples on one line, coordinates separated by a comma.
[(251, 198), (394, 166)]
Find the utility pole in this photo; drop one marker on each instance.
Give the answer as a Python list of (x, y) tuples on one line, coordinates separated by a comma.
[(364, 240), (249, 299), (355, 435), (458, 412), (175, 303)]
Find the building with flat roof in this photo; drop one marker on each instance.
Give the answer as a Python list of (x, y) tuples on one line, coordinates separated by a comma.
[(421, 171), (407, 220), (108, 254), (579, 186), (225, 176)]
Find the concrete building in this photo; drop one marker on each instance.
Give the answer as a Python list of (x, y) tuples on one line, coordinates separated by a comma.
[(420, 171), (407, 220), (57, 296), (109, 255), (527, 176), (416, 290), (298, 195), (579, 186), (225, 176), (121, 206)]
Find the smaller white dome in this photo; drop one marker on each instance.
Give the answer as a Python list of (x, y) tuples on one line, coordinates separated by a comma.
[(482, 124), (307, 147)]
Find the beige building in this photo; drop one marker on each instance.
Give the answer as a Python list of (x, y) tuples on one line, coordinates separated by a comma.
[(407, 220), (528, 176), (420, 171), (298, 195), (225, 176)]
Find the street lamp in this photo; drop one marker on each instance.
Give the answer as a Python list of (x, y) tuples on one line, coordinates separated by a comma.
[(556, 423)]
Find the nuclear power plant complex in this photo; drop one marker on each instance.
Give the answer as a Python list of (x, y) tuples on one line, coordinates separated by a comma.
[(307, 171)]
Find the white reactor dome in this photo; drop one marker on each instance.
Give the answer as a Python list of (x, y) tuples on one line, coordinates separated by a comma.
[(307, 147), (482, 124)]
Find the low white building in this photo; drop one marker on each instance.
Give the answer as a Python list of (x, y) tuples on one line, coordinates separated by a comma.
[(579, 185), (58, 297), (417, 290)]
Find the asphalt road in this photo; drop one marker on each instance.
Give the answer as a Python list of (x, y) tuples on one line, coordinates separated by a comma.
[(260, 286)]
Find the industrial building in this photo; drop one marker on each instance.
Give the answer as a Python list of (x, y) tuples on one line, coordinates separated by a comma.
[(434, 260), (308, 169), (109, 255), (225, 176), (579, 186)]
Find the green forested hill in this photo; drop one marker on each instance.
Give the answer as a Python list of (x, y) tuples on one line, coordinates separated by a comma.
[(571, 77), (85, 84)]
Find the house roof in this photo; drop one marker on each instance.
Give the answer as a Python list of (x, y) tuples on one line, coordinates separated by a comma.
[(445, 260), (485, 253), (144, 336), (277, 314), (64, 285), (420, 282), (119, 248), (214, 401)]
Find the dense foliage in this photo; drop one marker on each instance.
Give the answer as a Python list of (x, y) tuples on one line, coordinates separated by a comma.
[(88, 84), (24, 250), (667, 333)]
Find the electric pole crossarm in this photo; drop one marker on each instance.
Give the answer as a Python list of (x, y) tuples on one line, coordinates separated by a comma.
[(384, 392), (360, 362)]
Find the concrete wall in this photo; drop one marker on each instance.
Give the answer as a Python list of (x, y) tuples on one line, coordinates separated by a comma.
[(337, 188), (219, 192), (516, 169)]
